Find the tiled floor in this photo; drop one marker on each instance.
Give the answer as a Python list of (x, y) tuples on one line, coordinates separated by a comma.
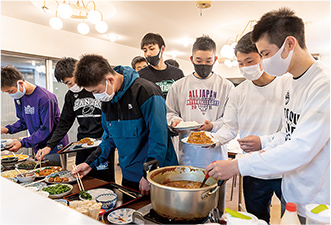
[(232, 204)]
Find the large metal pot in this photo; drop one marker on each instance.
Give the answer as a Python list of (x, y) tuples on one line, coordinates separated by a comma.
[(180, 204)]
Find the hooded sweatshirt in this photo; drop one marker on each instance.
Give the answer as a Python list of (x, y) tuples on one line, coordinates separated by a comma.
[(135, 123)]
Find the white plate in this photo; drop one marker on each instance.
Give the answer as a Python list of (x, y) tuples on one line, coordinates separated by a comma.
[(187, 126), (98, 191), (42, 168), (125, 214), (214, 140), (61, 174), (95, 144), (62, 194)]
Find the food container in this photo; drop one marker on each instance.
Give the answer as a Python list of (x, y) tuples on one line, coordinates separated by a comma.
[(180, 204), (322, 217), (108, 200), (26, 177), (27, 165)]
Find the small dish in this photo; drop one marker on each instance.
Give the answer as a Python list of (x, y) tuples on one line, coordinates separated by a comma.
[(62, 201), (43, 193), (108, 200), (27, 165), (26, 177), (121, 216)]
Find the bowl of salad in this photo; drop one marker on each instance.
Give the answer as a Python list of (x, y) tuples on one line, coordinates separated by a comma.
[(58, 190)]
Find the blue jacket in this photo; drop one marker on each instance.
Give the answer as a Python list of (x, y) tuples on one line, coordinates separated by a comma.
[(135, 123)]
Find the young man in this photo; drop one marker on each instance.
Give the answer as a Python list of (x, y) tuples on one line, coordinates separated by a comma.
[(301, 151), (157, 71), (172, 62), (199, 97), (266, 93), (133, 118), (82, 105), (138, 63), (37, 110)]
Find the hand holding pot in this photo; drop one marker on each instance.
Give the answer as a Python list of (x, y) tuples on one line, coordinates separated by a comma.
[(144, 186), (223, 169)]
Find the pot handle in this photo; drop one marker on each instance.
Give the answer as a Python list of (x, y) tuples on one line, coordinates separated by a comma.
[(220, 183), (150, 165)]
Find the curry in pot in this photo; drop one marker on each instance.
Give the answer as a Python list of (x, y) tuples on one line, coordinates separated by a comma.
[(183, 184)]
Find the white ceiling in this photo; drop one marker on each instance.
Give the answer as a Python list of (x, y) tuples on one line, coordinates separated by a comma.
[(176, 20)]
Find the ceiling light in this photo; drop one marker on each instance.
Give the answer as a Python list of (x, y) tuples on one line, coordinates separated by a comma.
[(94, 16), (101, 27), (83, 28), (186, 41), (80, 11), (64, 10), (56, 23), (203, 5), (227, 51), (113, 37)]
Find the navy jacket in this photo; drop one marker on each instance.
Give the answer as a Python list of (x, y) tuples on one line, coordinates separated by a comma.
[(135, 123)]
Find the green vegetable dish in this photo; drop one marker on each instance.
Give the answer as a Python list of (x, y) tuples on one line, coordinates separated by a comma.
[(57, 189), (85, 195)]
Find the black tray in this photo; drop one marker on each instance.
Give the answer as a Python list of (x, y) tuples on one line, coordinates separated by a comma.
[(122, 198), (72, 148)]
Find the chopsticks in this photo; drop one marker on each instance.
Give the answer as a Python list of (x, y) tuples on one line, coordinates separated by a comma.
[(79, 181)]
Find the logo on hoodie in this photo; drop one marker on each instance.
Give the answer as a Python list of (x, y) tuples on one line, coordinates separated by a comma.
[(202, 99)]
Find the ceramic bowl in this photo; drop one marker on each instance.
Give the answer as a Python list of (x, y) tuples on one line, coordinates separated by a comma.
[(26, 177), (43, 193), (108, 200), (9, 162)]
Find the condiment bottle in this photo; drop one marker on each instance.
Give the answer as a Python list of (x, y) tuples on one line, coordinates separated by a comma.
[(101, 213), (290, 216)]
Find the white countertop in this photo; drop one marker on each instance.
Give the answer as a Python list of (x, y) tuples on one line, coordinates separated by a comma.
[(22, 206)]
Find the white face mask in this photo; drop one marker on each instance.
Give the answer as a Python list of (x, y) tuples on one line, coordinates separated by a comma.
[(104, 96), (276, 65), (76, 88), (18, 94), (251, 72)]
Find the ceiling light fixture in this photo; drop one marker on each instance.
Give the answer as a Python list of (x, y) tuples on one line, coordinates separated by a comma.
[(227, 52), (203, 5), (80, 11)]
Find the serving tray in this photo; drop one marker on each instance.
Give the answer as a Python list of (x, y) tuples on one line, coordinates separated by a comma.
[(124, 195)]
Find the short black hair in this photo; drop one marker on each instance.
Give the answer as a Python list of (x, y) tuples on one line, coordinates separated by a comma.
[(204, 43), (91, 70), (172, 62), (245, 45), (278, 24), (64, 68), (152, 38), (137, 59), (10, 76)]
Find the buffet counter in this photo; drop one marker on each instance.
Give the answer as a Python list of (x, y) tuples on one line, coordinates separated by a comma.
[(22, 206)]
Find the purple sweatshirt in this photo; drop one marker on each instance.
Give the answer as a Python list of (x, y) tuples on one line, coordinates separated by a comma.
[(40, 114)]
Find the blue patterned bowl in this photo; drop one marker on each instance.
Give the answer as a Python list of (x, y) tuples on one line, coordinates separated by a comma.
[(108, 200)]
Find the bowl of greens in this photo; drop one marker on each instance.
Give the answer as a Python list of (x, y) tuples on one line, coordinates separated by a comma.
[(85, 195), (58, 190)]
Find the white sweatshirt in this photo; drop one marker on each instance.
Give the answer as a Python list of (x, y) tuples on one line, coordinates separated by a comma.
[(254, 110), (194, 99), (301, 151)]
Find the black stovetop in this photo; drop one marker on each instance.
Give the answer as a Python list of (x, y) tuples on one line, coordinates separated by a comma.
[(156, 218)]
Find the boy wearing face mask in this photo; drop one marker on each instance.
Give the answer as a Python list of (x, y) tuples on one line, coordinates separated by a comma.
[(157, 71), (37, 110), (301, 151), (133, 118), (82, 105), (201, 97), (254, 108)]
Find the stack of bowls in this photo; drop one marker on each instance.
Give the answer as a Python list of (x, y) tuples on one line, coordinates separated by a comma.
[(9, 162)]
